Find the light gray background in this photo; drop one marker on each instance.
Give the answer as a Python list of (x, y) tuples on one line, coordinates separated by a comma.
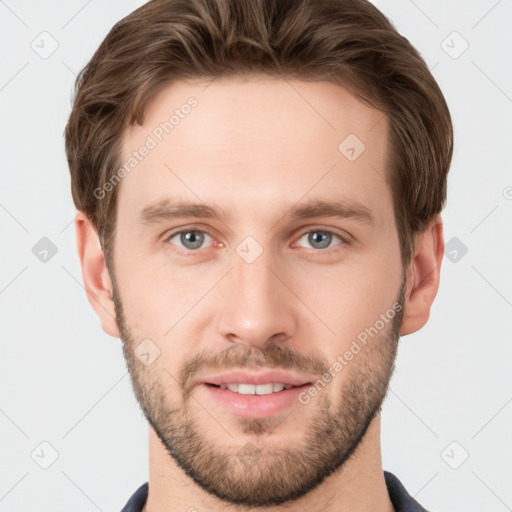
[(64, 382)]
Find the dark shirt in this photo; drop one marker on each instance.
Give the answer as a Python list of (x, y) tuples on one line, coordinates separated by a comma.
[(400, 498)]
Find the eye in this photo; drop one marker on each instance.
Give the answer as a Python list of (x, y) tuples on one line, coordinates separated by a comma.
[(321, 239), (190, 239)]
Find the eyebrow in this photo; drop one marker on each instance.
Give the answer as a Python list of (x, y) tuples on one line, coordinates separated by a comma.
[(166, 209)]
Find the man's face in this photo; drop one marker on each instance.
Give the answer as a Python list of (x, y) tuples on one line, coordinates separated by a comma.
[(260, 288)]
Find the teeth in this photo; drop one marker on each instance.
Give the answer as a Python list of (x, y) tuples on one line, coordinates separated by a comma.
[(252, 389)]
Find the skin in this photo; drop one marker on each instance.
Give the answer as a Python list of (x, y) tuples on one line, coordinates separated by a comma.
[(297, 306)]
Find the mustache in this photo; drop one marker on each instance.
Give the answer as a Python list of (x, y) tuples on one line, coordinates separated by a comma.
[(238, 356)]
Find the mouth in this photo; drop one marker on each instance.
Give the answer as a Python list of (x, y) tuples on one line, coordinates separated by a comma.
[(254, 395), (255, 389), (261, 382)]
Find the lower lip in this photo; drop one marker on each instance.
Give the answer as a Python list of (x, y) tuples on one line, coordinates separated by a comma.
[(255, 406)]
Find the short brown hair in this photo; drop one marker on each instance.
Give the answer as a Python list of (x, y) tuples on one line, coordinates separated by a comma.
[(347, 42)]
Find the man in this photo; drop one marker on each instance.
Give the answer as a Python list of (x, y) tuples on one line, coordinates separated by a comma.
[(259, 186)]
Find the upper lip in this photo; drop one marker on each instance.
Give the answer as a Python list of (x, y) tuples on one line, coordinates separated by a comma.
[(265, 377)]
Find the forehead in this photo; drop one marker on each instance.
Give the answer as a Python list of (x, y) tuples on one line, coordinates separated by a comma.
[(251, 143)]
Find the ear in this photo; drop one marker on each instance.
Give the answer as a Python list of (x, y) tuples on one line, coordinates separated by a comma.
[(97, 282), (423, 276)]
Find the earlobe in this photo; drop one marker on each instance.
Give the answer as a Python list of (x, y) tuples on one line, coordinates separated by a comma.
[(97, 282), (423, 276)]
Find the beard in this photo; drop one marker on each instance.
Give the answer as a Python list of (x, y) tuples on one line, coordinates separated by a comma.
[(258, 473)]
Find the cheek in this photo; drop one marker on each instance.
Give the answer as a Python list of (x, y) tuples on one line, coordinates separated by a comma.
[(161, 302), (350, 299), (153, 297)]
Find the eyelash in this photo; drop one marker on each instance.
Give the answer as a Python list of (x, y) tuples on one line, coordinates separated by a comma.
[(192, 252)]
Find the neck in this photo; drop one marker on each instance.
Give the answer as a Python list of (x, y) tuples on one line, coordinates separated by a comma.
[(358, 486)]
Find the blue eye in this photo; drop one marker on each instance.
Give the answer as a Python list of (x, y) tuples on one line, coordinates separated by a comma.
[(320, 239), (190, 239)]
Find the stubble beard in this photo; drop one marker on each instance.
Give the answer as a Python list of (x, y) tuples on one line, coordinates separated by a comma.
[(250, 468)]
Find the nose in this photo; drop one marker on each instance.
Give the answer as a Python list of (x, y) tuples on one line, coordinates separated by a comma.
[(257, 304)]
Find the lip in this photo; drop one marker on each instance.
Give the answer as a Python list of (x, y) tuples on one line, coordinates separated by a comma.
[(253, 406), (262, 377)]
